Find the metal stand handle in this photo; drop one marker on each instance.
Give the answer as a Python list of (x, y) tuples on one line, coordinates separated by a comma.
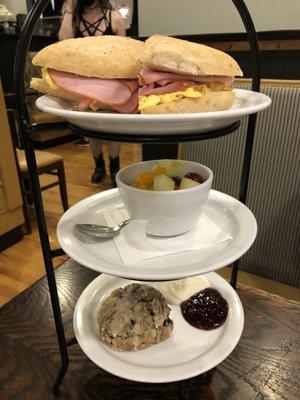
[(26, 137), (254, 48)]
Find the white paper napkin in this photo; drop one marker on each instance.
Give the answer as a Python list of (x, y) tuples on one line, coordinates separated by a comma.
[(135, 245)]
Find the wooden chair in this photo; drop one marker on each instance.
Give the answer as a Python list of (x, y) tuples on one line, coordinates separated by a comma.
[(47, 163)]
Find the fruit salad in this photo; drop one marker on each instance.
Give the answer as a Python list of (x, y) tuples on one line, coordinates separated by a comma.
[(167, 176)]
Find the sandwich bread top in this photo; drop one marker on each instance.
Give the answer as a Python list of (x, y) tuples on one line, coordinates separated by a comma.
[(164, 53), (111, 57)]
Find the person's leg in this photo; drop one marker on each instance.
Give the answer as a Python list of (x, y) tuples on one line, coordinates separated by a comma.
[(113, 149), (99, 172), (114, 161), (96, 147)]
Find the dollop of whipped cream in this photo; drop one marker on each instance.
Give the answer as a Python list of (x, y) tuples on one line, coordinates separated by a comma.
[(175, 292)]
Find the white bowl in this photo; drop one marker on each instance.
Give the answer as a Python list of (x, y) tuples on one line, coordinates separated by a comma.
[(168, 213)]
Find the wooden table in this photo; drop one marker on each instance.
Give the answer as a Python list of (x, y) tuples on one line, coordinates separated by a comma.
[(264, 365)]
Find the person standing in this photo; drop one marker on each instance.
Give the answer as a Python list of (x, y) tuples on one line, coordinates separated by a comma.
[(83, 18)]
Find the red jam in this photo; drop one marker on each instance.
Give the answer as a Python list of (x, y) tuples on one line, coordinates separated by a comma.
[(205, 310)]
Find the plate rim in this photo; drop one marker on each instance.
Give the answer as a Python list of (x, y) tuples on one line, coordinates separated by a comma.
[(176, 375), (231, 113), (122, 270)]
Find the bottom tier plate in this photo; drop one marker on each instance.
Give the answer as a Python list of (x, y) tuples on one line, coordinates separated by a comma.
[(186, 353)]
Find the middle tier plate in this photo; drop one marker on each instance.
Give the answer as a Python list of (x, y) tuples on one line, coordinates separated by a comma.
[(225, 211)]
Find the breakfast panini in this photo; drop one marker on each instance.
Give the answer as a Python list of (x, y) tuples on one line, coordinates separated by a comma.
[(98, 72), (185, 77)]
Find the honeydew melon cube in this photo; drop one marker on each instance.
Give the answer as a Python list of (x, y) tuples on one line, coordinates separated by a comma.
[(187, 183), (163, 182), (172, 167)]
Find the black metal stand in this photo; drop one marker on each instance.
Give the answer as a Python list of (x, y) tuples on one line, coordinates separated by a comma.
[(26, 137), (155, 139)]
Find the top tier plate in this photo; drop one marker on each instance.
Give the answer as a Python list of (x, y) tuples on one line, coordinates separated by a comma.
[(246, 102)]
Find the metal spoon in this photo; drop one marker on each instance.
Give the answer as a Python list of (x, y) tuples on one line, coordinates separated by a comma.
[(101, 231)]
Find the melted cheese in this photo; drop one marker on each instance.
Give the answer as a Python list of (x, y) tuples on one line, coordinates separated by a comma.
[(47, 78), (155, 99), (217, 86)]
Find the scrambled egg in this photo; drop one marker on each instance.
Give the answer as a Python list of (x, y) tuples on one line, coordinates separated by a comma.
[(155, 99), (47, 78), (191, 92)]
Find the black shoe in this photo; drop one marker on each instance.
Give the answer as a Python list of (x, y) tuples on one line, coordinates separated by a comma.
[(81, 142), (114, 166), (99, 172)]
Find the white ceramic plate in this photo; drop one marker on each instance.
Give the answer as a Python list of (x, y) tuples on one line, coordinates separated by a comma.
[(186, 353), (228, 213), (246, 102)]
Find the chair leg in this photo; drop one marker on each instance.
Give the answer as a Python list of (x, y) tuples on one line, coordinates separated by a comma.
[(63, 186), (27, 219), (28, 191), (25, 207)]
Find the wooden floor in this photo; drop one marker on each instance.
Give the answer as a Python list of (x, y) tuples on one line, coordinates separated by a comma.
[(22, 264)]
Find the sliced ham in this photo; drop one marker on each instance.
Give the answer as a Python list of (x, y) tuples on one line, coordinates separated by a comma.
[(163, 82), (147, 77), (83, 104), (132, 84), (106, 91), (176, 86), (130, 107)]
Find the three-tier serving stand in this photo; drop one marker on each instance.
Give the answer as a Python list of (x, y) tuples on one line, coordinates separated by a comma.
[(26, 133)]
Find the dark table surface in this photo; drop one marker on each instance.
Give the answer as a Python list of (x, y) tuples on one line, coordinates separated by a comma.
[(264, 365)]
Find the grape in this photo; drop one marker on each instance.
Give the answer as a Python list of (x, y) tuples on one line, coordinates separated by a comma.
[(194, 176)]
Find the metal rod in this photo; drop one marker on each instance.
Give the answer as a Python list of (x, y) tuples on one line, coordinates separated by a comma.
[(61, 375), (26, 135), (134, 30), (254, 49), (234, 274), (181, 390), (156, 139)]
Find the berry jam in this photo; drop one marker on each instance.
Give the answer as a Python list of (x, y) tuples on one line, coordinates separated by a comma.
[(205, 310)]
